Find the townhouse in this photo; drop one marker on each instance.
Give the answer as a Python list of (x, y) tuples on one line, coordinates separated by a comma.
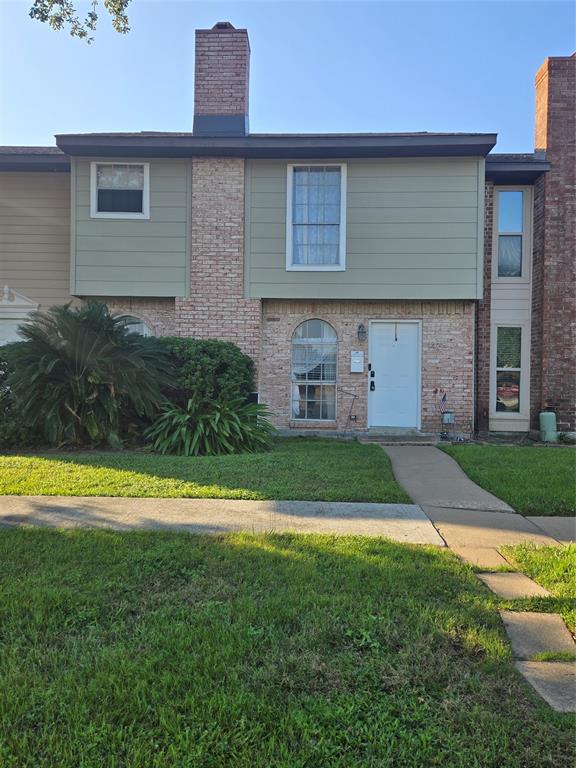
[(378, 280)]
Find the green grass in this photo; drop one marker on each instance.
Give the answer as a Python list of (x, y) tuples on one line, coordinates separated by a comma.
[(533, 480), (553, 568), (177, 651), (295, 468)]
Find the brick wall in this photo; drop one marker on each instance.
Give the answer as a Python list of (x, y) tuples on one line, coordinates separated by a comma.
[(482, 368), (555, 290), (217, 308), (536, 398), (158, 314), (447, 357), (221, 71)]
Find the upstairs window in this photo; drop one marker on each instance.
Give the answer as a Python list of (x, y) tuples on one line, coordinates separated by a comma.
[(120, 190), (316, 217), (511, 233)]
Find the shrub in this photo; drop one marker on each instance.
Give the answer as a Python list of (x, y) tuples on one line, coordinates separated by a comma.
[(211, 428), (80, 372), (207, 369), (13, 431)]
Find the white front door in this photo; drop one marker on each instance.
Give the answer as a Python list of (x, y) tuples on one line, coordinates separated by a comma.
[(394, 388)]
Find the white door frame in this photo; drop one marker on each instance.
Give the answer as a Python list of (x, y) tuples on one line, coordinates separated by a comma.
[(419, 388)]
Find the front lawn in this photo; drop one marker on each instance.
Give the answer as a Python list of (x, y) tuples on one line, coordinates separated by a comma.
[(179, 651), (555, 569), (533, 480), (296, 468)]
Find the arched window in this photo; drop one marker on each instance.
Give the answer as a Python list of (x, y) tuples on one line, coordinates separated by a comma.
[(135, 325), (314, 349)]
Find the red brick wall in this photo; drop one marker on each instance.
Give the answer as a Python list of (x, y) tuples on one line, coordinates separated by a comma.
[(555, 292), (221, 71), (217, 308), (482, 368), (447, 357)]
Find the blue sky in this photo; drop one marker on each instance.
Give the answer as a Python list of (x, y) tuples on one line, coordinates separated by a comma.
[(316, 67)]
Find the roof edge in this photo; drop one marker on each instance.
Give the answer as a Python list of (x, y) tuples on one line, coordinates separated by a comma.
[(281, 146)]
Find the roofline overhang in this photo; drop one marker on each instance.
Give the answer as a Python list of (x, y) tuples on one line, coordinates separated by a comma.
[(262, 146), (520, 171), (35, 162)]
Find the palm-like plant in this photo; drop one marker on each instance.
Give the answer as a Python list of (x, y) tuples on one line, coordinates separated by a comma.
[(208, 428), (80, 370)]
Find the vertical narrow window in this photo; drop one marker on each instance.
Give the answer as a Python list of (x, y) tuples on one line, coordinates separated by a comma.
[(316, 214), (314, 353), (120, 190), (510, 232), (508, 368)]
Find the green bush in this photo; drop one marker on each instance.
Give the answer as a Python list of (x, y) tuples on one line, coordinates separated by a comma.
[(80, 374), (211, 428), (208, 369), (13, 431)]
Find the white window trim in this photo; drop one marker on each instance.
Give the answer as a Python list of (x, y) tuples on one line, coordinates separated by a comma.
[(290, 267), (523, 412), (526, 236), (96, 214)]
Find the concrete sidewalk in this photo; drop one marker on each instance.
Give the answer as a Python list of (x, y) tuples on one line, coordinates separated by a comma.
[(404, 523), (473, 522)]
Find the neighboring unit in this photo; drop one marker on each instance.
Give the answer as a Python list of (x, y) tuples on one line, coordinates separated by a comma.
[(378, 280)]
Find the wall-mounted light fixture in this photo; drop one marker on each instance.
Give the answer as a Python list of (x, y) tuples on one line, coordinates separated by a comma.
[(362, 332)]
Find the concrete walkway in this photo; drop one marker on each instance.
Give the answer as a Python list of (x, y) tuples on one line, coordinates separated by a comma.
[(405, 523), (431, 477), (473, 522)]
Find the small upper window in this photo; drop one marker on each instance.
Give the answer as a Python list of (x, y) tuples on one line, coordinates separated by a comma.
[(316, 217), (120, 190), (510, 232)]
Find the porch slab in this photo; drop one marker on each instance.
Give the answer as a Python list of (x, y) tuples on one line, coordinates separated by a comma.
[(404, 523), (512, 586), (533, 633), (555, 681)]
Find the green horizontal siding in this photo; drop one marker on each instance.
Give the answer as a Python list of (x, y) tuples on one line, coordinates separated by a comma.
[(133, 257), (413, 231)]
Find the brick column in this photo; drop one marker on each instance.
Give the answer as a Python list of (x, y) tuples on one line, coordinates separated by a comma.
[(554, 294), (217, 308), (482, 365)]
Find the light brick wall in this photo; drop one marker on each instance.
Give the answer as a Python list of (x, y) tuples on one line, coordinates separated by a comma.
[(447, 357), (217, 308), (158, 314)]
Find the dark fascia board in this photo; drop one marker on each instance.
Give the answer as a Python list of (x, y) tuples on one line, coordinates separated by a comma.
[(269, 146), (35, 162), (521, 170)]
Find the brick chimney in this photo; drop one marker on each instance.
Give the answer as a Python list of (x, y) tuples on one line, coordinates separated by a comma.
[(554, 273), (221, 81)]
